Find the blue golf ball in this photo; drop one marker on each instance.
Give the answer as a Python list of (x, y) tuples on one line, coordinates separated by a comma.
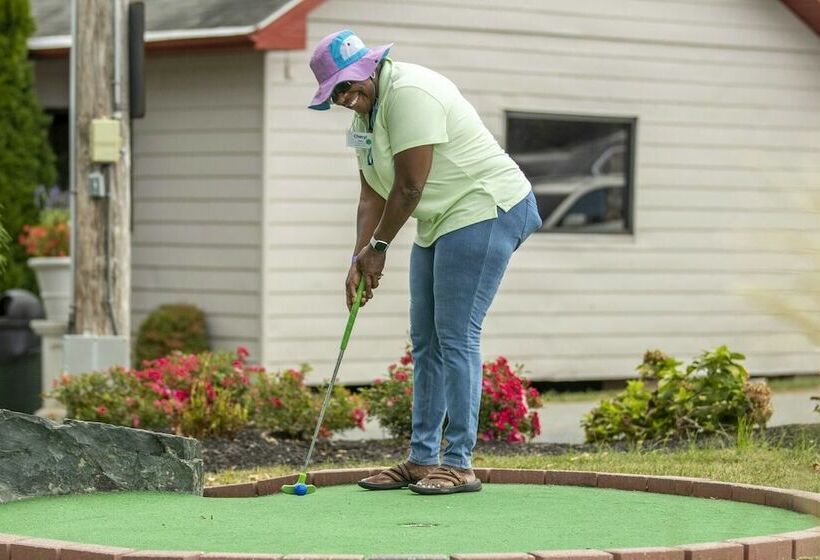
[(300, 489)]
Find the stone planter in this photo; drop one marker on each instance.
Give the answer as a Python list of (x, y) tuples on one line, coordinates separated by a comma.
[(54, 279)]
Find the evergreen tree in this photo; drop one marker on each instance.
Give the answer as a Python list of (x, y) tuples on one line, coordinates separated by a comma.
[(4, 246), (26, 158)]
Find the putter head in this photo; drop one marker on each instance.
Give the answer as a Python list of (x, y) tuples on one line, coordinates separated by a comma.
[(300, 488)]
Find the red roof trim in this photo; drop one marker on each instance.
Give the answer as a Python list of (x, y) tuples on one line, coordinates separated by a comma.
[(288, 32), (807, 10), (200, 43)]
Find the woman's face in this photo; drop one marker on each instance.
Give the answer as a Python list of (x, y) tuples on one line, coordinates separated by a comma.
[(356, 96)]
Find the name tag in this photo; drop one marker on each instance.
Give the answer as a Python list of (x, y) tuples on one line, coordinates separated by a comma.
[(359, 140)]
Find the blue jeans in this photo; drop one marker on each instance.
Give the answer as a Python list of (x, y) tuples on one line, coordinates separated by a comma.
[(452, 284)]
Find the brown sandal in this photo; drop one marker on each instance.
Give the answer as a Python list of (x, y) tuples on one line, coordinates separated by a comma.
[(400, 476), (457, 478)]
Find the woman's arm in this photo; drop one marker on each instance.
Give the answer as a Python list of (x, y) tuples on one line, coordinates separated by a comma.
[(412, 166), (371, 208)]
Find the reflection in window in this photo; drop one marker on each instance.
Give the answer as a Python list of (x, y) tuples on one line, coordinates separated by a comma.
[(580, 169)]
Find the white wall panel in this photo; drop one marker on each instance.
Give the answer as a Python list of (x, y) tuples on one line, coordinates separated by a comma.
[(727, 99)]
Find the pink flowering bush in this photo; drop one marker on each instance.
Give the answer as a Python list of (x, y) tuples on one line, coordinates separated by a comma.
[(507, 402), (109, 397), (202, 395), (287, 407), (391, 400), (195, 395)]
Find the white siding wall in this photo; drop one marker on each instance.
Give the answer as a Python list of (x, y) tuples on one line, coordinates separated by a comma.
[(727, 96), (197, 188), (198, 191)]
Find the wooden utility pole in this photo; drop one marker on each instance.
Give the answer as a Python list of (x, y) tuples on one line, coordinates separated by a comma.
[(102, 247)]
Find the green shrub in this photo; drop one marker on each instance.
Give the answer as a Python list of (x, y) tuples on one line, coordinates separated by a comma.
[(115, 397), (4, 246), (169, 328), (712, 395), (207, 394), (286, 407), (507, 402), (26, 158), (391, 400), (194, 395)]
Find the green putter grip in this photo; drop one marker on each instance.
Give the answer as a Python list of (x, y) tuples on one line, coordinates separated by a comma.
[(353, 311)]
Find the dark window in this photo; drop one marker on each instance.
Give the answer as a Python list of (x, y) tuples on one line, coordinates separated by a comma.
[(58, 138), (56, 195), (580, 168)]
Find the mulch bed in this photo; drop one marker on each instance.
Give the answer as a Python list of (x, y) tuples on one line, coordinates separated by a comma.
[(256, 448)]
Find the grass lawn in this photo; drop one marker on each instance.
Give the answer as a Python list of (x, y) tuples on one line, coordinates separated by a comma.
[(796, 467)]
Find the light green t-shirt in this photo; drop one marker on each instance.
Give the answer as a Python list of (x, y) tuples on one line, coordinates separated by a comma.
[(471, 175)]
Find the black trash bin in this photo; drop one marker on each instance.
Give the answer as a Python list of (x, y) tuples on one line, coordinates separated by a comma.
[(20, 378)]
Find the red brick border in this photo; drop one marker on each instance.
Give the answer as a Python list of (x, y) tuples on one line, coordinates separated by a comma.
[(785, 546), (238, 556), (713, 551), (586, 554), (804, 543), (766, 548), (653, 553)]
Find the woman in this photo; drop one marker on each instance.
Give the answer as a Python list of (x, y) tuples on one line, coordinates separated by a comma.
[(423, 151)]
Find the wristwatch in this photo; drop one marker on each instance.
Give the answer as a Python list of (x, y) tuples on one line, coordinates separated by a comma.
[(379, 246)]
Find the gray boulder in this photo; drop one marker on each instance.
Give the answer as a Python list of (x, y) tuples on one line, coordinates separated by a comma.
[(39, 457)]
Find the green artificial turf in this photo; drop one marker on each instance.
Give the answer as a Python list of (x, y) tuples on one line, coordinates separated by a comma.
[(347, 519)]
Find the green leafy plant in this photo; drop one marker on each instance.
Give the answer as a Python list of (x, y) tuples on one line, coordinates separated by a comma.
[(196, 395), (712, 395), (26, 158), (288, 408), (206, 394), (391, 399), (507, 410), (169, 328), (4, 246), (115, 397)]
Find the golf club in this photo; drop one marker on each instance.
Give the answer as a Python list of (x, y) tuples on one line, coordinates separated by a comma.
[(301, 487)]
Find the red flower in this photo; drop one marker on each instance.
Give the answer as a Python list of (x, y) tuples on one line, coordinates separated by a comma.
[(359, 416), (536, 423), (400, 376), (102, 410), (242, 352), (515, 437), (406, 359)]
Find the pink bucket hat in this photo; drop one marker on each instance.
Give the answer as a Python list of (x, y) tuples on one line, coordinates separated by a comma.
[(340, 57)]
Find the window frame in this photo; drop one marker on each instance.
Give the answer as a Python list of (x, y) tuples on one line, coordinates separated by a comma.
[(629, 171)]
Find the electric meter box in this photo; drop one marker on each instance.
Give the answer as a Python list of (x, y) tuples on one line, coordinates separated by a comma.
[(106, 140)]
